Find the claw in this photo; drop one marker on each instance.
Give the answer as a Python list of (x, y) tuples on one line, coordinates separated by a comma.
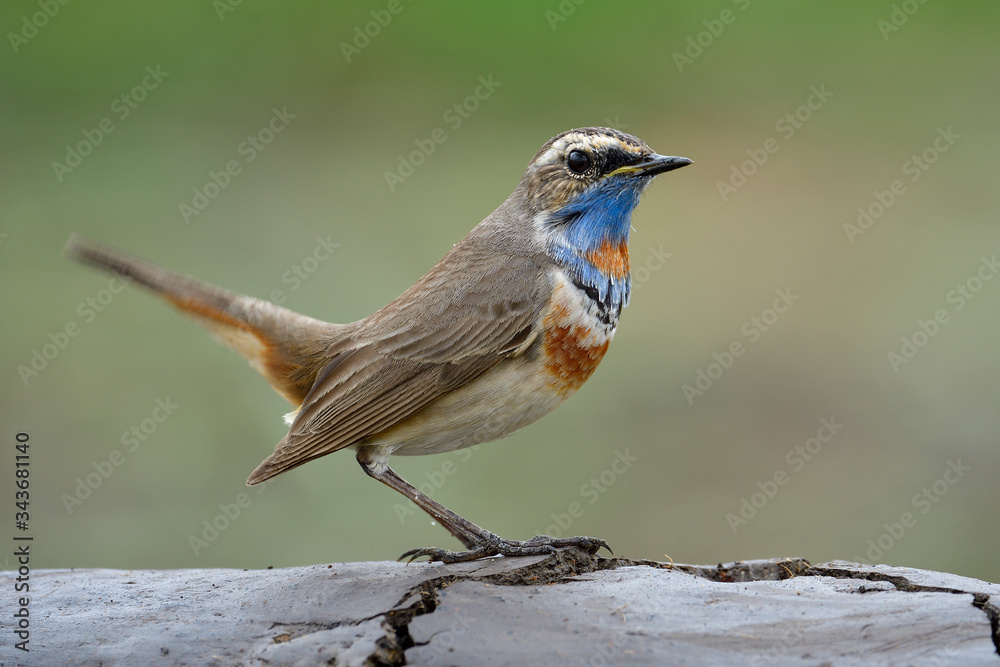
[(592, 545), (431, 552)]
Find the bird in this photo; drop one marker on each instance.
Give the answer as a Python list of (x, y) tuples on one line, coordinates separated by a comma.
[(509, 324)]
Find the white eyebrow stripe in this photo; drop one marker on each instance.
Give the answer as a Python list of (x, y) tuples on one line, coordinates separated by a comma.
[(594, 141)]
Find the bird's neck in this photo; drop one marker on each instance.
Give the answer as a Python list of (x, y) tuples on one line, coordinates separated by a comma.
[(589, 240)]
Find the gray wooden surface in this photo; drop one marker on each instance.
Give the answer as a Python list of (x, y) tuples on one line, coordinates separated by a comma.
[(562, 609)]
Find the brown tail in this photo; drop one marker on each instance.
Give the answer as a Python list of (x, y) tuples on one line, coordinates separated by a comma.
[(286, 348)]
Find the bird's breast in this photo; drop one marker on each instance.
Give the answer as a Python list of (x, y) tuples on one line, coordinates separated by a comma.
[(576, 337), (611, 259)]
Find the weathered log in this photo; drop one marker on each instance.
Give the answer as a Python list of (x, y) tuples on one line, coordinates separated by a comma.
[(567, 608)]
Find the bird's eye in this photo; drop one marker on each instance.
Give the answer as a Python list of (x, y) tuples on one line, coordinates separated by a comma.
[(578, 162)]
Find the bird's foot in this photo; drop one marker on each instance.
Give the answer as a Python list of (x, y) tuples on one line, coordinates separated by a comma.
[(494, 545)]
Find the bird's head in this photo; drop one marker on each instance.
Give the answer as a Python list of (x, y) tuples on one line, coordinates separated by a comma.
[(581, 188), (583, 185)]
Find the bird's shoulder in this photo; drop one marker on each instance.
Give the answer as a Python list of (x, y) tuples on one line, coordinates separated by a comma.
[(482, 298)]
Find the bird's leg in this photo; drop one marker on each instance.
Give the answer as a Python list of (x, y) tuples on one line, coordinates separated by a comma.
[(467, 532), (480, 542)]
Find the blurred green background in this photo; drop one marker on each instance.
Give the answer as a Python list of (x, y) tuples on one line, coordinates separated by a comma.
[(710, 81)]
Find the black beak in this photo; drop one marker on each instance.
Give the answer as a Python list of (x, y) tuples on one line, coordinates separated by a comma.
[(654, 164)]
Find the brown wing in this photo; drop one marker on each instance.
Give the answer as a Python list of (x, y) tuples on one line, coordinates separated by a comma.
[(458, 321)]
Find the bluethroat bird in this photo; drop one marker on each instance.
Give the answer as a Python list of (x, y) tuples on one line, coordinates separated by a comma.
[(509, 324)]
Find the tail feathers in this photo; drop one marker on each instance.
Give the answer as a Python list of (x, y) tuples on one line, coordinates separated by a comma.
[(288, 349)]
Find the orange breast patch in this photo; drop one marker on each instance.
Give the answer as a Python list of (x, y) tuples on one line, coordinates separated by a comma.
[(571, 354), (611, 260)]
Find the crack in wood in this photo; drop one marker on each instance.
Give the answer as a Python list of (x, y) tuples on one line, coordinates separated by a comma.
[(562, 566)]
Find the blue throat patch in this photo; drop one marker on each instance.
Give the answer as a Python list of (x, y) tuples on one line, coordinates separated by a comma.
[(601, 214)]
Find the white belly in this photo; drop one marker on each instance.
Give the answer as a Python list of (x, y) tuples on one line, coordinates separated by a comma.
[(506, 398)]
